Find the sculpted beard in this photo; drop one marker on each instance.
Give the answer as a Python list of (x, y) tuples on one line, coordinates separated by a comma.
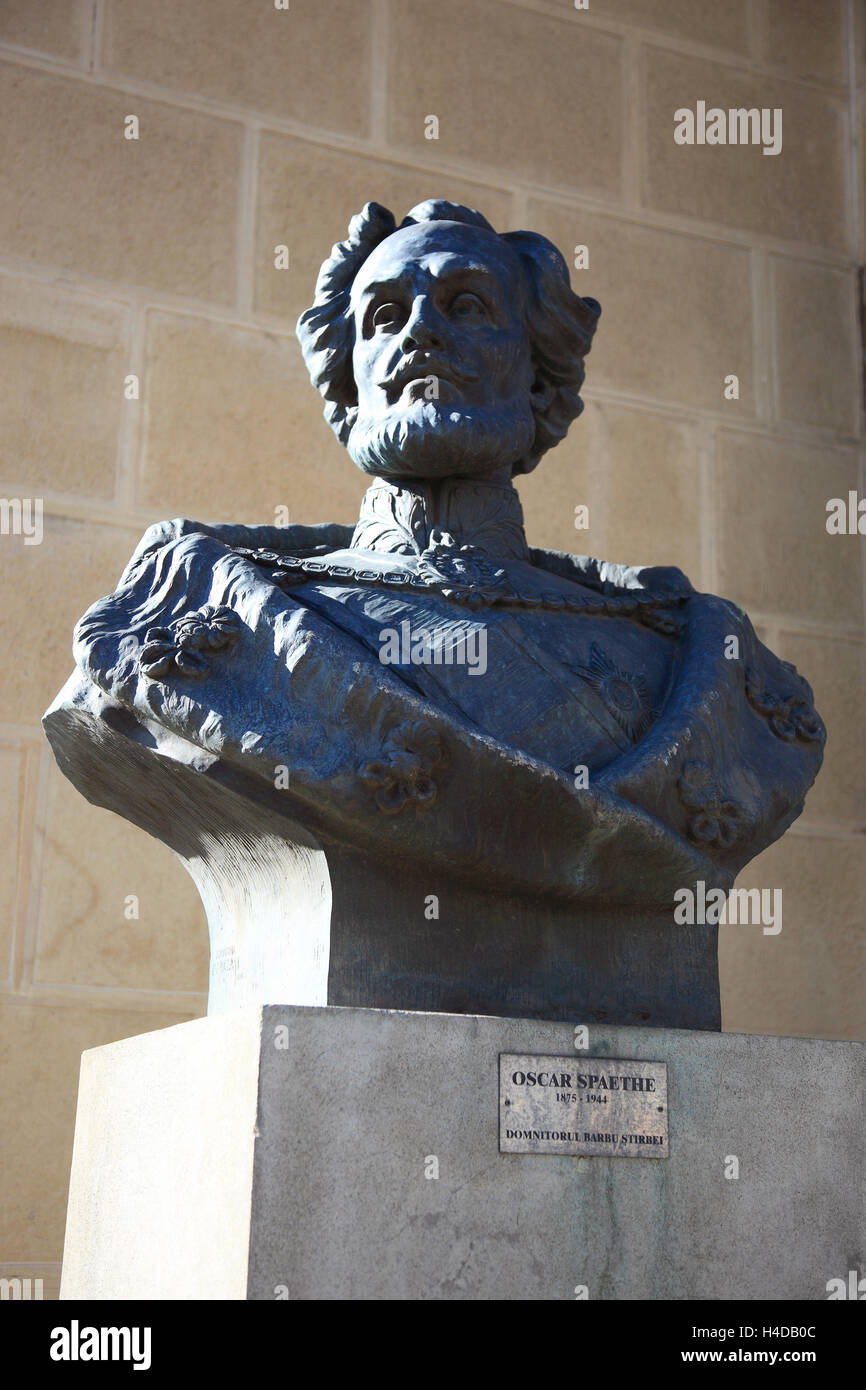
[(434, 439)]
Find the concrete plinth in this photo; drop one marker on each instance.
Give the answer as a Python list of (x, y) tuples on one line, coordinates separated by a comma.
[(289, 1152)]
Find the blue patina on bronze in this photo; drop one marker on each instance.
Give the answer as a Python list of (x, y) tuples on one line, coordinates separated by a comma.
[(426, 832)]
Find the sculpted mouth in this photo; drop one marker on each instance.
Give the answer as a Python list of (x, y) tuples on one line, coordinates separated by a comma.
[(415, 370)]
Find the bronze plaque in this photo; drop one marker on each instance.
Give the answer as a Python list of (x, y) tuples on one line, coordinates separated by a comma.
[(590, 1106)]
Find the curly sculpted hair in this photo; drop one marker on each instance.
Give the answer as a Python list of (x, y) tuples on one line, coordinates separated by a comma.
[(559, 323)]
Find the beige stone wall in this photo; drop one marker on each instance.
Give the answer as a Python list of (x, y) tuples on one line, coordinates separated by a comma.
[(155, 257)]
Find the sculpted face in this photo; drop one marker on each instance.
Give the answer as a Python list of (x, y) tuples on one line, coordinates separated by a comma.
[(441, 357)]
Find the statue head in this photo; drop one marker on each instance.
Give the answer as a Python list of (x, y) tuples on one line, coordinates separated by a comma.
[(441, 347)]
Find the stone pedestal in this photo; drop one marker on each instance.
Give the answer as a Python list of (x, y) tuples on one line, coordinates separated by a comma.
[(289, 1152)]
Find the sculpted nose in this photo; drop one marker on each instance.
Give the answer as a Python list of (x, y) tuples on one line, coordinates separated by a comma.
[(423, 329)]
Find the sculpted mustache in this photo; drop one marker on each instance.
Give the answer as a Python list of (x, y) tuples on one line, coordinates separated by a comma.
[(408, 370)]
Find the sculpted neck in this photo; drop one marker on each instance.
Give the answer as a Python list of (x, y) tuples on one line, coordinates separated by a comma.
[(404, 517)]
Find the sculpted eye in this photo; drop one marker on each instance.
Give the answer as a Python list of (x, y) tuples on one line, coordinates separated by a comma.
[(468, 306), (388, 316)]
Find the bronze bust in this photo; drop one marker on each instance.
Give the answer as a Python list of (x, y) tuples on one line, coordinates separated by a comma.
[(419, 764)]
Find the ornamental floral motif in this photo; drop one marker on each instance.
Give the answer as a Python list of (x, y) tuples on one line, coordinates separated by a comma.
[(789, 716), (184, 647), (462, 571), (717, 819), (626, 696), (402, 773)]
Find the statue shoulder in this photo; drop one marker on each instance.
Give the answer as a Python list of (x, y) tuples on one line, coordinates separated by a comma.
[(292, 539), (664, 580)]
